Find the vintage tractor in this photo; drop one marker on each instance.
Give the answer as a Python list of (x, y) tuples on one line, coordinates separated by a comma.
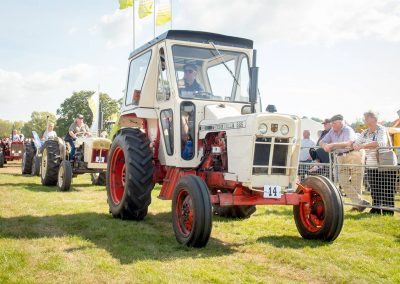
[(90, 157), (10, 151), (191, 121)]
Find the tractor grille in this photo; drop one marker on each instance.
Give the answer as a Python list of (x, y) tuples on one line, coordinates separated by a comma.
[(99, 155), (262, 161)]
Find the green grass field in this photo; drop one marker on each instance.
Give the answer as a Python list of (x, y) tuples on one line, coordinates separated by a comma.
[(69, 237)]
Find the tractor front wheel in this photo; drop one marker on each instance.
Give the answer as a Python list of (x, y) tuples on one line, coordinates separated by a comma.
[(98, 178), (130, 175), (322, 218), (192, 212), (64, 176), (35, 166)]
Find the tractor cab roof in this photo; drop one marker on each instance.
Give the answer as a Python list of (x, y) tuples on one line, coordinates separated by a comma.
[(198, 37)]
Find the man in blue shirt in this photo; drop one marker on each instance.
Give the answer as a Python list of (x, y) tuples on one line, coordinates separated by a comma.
[(339, 139)]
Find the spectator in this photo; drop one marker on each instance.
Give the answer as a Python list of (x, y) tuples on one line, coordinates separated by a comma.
[(306, 144), (320, 155), (49, 133), (340, 138), (15, 137), (382, 183)]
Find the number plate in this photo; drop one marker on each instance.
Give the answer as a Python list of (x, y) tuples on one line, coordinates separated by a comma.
[(99, 159), (272, 191)]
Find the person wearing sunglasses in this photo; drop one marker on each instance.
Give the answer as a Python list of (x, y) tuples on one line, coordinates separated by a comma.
[(189, 78)]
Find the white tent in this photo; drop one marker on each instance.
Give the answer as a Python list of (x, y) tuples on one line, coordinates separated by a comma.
[(313, 126)]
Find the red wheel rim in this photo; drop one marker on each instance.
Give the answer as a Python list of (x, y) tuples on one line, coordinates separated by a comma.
[(117, 176), (184, 212), (313, 214)]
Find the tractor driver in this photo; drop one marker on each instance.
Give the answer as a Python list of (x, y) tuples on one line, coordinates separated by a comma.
[(189, 82), (77, 127)]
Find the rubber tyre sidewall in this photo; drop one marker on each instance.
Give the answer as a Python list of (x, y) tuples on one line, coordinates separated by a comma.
[(64, 184), (202, 223), (333, 210)]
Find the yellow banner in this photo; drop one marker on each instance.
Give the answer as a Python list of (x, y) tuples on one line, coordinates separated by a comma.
[(163, 14), (123, 4), (145, 8)]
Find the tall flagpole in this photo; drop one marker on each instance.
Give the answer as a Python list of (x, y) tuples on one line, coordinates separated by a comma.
[(171, 14), (154, 18), (133, 9)]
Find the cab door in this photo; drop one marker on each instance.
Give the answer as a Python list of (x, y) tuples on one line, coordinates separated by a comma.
[(165, 110)]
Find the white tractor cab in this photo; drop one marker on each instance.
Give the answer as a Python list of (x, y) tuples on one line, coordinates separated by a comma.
[(90, 157), (207, 142)]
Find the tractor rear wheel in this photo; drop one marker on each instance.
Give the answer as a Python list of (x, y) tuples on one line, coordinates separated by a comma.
[(322, 218), (239, 212), (35, 166), (50, 163), (192, 212), (130, 175), (27, 159), (99, 178), (64, 176), (1, 160)]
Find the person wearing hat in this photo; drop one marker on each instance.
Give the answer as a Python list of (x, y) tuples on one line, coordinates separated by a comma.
[(339, 140), (319, 154), (189, 83), (78, 127), (49, 133)]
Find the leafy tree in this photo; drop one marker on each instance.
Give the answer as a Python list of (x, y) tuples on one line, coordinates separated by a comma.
[(317, 119), (78, 103), (5, 128), (358, 125), (38, 123)]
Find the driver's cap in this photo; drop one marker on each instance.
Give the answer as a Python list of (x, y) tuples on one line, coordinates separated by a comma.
[(79, 116)]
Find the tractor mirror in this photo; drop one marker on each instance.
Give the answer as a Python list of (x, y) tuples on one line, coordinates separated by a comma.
[(253, 83)]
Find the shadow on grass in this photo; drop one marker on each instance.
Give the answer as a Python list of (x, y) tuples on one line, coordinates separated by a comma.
[(127, 241), (30, 186), (292, 242)]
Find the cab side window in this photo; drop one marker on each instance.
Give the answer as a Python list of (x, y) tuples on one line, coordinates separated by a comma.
[(137, 73), (167, 125), (187, 130), (163, 89)]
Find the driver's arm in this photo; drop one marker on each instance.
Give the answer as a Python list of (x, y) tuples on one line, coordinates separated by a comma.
[(72, 134), (87, 131)]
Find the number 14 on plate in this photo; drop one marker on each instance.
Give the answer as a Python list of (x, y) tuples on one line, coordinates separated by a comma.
[(272, 191)]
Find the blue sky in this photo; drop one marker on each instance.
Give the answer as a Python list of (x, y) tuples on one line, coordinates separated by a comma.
[(317, 58)]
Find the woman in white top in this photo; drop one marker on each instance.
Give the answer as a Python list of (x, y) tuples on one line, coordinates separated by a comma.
[(49, 133), (382, 183)]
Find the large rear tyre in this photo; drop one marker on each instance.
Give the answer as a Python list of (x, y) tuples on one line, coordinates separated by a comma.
[(27, 159), (235, 212), (64, 176), (130, 175), (322, 218), (192, 212), (1, 160), (99, 178), (35, 166), (50, 163)]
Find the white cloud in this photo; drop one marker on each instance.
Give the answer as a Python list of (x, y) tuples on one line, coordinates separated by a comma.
[(20, 94), (313, 21)]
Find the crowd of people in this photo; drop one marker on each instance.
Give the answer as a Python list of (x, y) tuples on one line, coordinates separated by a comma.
[(356, 157)]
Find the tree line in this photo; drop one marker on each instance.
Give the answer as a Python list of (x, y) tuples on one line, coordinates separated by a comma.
[(65, 115)]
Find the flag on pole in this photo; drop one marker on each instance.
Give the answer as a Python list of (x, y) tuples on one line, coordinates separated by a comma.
[(94, 103), (145, 8), (163, 13), (123, 4)]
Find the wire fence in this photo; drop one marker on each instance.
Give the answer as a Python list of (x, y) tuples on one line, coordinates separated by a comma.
[(362, 186)]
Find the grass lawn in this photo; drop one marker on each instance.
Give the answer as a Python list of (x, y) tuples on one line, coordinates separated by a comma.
[(69, 237)]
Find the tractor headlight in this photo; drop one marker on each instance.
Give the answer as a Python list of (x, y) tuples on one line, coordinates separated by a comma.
[(13, 151), (262, 128), (284, 129), (19, 151)]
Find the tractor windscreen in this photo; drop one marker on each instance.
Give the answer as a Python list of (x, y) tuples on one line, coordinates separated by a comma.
[(211, 74)]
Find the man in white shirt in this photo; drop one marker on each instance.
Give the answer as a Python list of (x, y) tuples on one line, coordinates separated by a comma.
[(306, 144)]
